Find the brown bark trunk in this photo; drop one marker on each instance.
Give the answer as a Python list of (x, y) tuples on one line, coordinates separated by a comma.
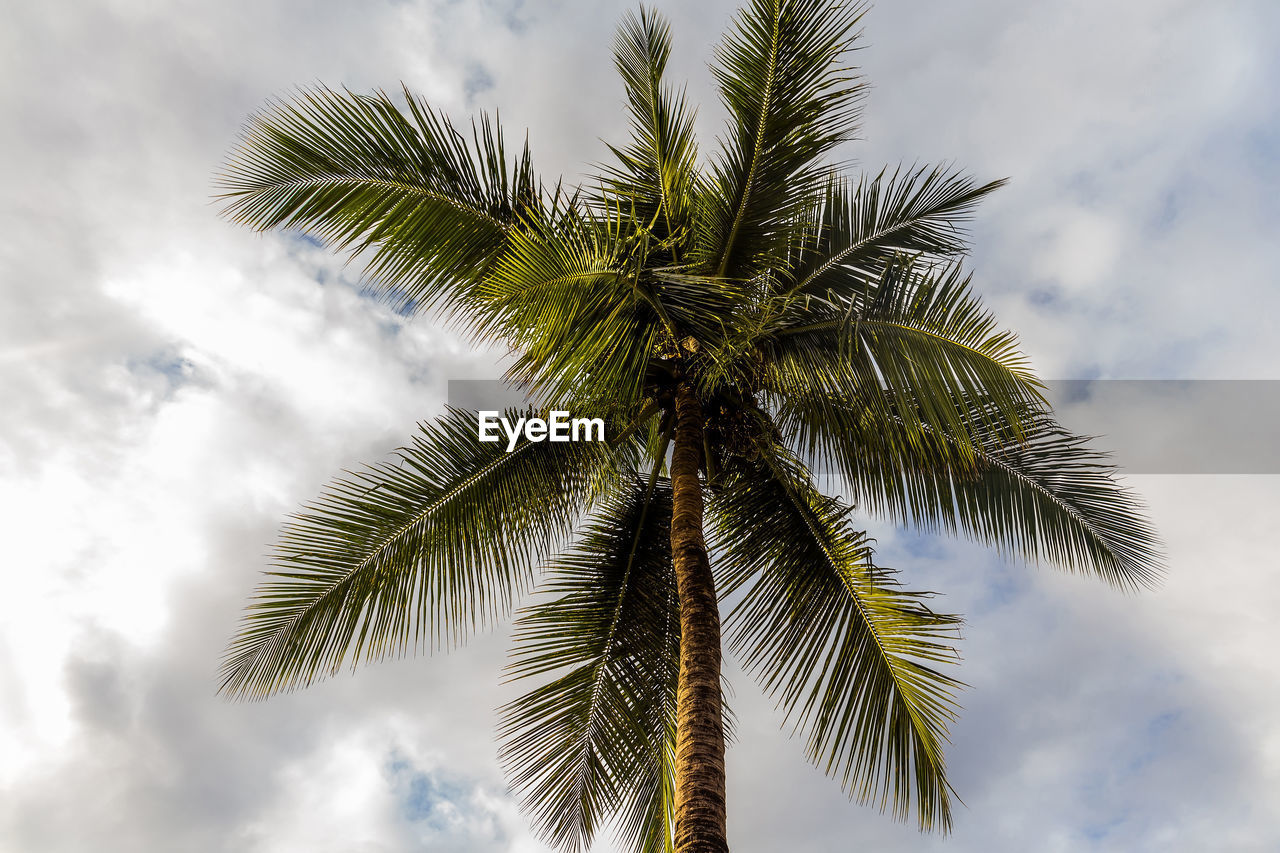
[(700, 805)]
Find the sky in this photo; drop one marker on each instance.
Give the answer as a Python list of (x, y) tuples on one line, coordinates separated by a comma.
[(171, 386)]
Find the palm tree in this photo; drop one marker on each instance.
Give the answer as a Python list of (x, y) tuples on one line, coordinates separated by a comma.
[(749, 325)]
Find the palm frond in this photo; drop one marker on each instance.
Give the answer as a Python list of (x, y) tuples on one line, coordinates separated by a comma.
[(917, 343), (585, 315), (432, 207), (849, 654), (783, 75), (596, 741), (569, 298), (413, 554), (647, 824), (859, 230), (1045, 496), (656, 171)]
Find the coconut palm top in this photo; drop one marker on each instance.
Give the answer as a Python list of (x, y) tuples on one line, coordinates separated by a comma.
[(748, 322)]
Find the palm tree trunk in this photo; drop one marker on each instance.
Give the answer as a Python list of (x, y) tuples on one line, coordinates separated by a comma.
[(700, 804)]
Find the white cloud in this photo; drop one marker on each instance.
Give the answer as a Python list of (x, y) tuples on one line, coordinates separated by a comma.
[(172, 387)]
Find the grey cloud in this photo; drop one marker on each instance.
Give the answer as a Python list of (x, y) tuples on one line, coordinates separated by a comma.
[(172, 387), (1100, 115)]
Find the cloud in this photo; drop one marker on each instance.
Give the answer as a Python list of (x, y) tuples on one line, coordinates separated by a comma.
[(173, 387), (1135, 138)]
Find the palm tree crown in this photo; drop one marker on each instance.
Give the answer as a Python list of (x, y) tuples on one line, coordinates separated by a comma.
[(744, 322)]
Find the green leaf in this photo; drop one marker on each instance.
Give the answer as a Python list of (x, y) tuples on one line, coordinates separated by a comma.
[(1046, 496), (916, 343), (792, 97), (410, 555), (430, 208), (860, 230), (568, 298), (598, 739), (849, 654), (656, 172)]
